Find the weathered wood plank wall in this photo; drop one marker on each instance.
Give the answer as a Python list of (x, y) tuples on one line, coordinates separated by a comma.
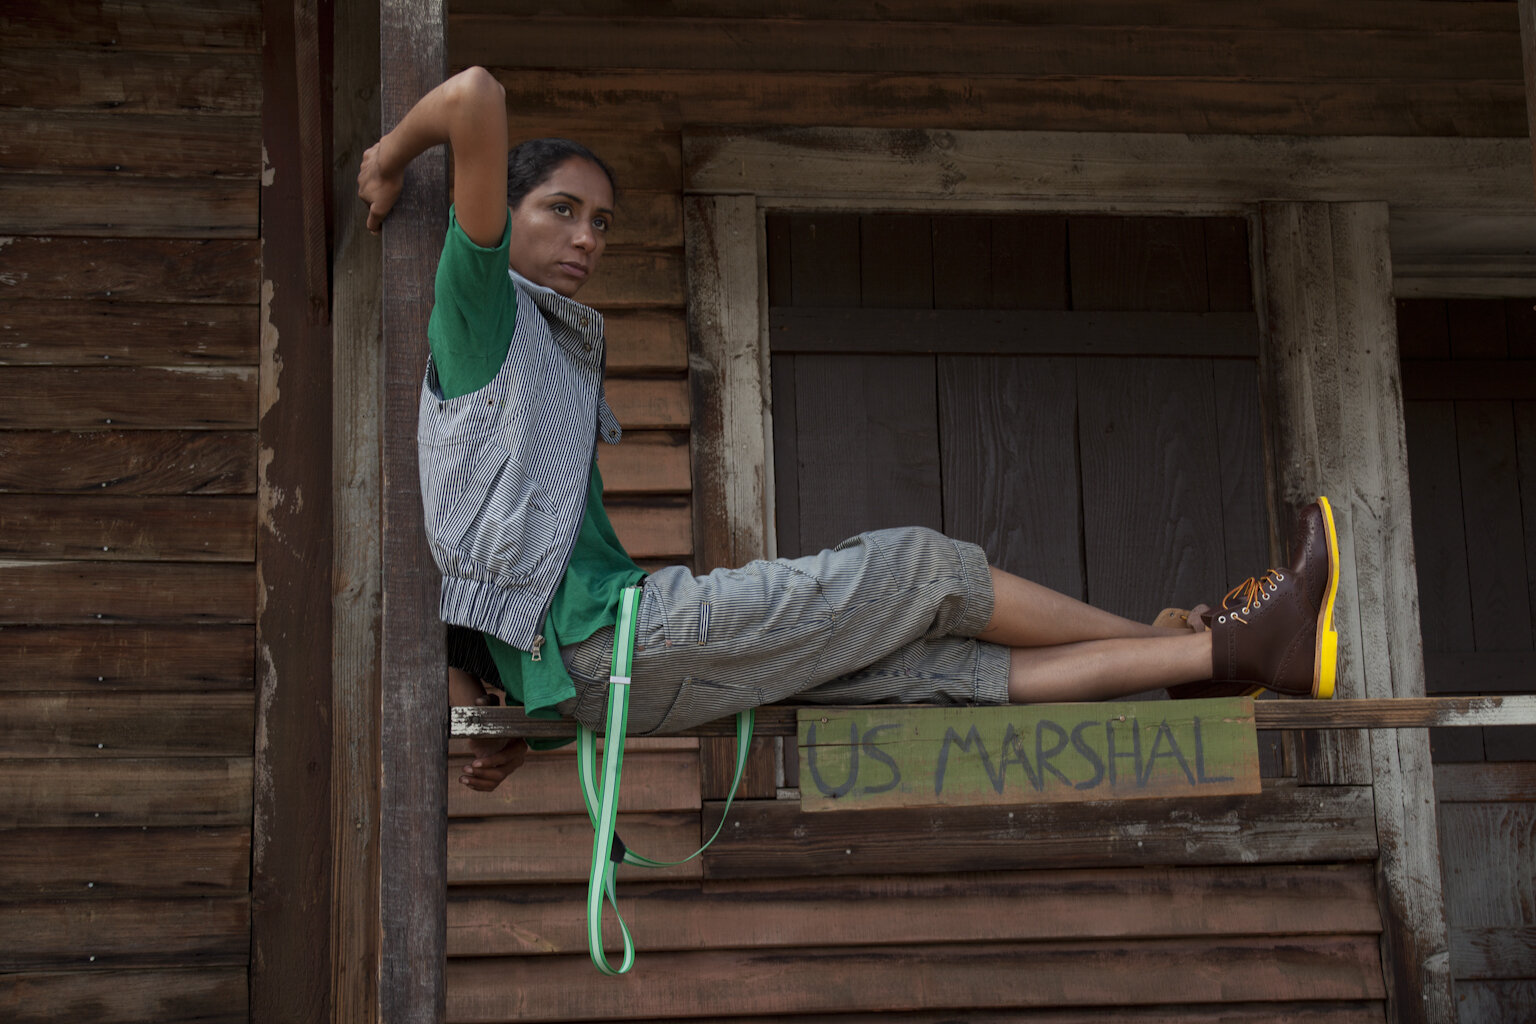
[(129, 302), (616, 75), (1469, 389)]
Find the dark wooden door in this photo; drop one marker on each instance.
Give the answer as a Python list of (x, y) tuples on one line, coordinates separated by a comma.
[(1076, 394)]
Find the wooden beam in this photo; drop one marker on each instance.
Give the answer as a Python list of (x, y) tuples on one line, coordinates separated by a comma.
[(291, 857), (413, 716), (1330, 368), (730, 479), (1107, 168), (1394, 713), (1284, 824), (358, 556)]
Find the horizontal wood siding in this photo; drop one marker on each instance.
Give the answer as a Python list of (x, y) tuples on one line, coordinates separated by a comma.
[(130, 156)]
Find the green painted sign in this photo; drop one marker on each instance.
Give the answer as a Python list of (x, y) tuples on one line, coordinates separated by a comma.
[(870, 757)]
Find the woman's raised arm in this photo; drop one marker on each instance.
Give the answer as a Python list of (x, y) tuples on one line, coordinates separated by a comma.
[(468, 112)]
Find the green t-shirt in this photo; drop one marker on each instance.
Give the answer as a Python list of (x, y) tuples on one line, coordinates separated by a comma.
[(470, 332)]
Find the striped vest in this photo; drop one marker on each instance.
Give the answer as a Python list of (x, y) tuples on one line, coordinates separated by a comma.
[(504, 470)]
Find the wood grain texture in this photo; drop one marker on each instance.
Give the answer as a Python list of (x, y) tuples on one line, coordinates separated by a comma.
[(1037, 906), (127, 333), (125, 593), (558, 848), (983, 330), (646, 342), (412, 715), (726, 382), (1469, 783), (147, 529), (896, 266), (1138, 263), (123, 462), (638, 279), (150, 792), (1280, 14), (126, 862), (647, 462), (124, 145), (112, 206), (654, 527), (1332, 1012), (217, 995), (547, 783), (1301, 374), (1178, 170), (649, 404), (1490, 496), (1023, 51), (357, 553), (85, 80), (144, 658), (1414, 940), (712, 984), (212, 931), (1008, 428), (1390, 713), (82, 398), (674, 98), (717, 768), (131, 269), (136, 25), (101, 726), (775, 839), (873, 422), (1152, 536)]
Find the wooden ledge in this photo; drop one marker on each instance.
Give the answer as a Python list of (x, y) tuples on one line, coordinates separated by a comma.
[(1402, 713)]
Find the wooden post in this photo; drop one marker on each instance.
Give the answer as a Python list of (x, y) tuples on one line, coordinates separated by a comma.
[(725, 349), (291, 857), (1331, 377), (413, 805), (355, 653)]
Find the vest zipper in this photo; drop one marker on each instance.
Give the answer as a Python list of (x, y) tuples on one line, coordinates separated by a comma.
[(538, 642)]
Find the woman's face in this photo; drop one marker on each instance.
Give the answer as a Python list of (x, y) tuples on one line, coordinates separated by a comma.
[(561, 226)]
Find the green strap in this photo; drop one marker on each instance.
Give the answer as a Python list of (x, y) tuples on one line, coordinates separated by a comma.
[(603, 806)]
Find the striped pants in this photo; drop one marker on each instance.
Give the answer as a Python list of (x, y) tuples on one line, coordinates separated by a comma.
[(885, 617)]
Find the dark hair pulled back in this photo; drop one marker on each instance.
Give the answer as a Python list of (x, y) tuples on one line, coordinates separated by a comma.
[(530, 164)]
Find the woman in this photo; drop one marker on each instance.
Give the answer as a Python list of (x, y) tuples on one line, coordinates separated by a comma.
[(511, 408)]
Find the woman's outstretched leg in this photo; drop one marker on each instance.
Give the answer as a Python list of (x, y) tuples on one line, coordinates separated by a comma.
[(1026, 614), (1275, 631), (1106, 669)]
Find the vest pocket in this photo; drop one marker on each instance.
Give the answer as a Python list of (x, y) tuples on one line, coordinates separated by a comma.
[(513, 526), (460, 498)]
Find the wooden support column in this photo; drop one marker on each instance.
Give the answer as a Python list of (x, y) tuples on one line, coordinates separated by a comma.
[(291, 857), (1332, 384), (725, 352), (732, 520), (413, 808), (358, 556)]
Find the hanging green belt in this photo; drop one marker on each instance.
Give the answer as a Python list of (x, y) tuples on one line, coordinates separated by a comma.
[(608, 851)]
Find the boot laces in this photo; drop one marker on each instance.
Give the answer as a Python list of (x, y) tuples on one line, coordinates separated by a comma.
[(1251, 591)]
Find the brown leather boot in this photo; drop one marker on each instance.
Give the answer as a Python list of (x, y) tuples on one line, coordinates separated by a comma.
[(1197, 620), (1277, 630)]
